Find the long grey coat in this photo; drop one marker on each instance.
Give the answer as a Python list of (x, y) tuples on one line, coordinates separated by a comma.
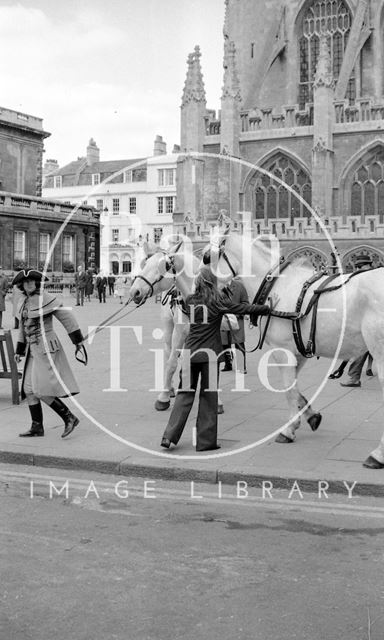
[(44, 379), (3, 291)]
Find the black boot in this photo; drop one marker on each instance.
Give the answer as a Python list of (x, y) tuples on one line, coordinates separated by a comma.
[(37, 428), (70, 420), (227, 361)]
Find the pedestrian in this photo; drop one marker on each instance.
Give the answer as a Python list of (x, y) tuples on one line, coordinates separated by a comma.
[(362, 263), (80, 284), (206, 307), (89, 284), (16, 297), (111, 284), (3, 293), (120, 289), (101, 286), (36, 339), (95, 292), (232, 327)]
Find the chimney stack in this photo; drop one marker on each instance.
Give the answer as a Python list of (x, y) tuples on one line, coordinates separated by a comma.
[(159, 147), (93, 152), (50, 166)]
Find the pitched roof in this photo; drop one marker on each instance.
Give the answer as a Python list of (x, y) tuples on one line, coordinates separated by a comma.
[(107, 166)]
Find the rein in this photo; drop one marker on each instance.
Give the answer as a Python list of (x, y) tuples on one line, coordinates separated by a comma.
[(111, 318)]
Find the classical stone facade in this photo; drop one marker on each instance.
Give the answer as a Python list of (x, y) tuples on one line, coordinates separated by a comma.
[(21, 152), (29, 227), (29, 224), (302, 112)]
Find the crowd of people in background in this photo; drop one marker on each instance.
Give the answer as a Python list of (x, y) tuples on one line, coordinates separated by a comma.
[(86, 284), (100, 285)]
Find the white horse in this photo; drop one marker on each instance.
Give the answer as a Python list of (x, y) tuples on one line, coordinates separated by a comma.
[(350, 318)]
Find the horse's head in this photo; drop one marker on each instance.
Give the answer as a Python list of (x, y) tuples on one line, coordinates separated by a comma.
[(231, 254), (156, 275)]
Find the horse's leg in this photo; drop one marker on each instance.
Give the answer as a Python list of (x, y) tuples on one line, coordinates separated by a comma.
[(375, 459), (296, 401), (179, 334), (312, 417), (163, 400)]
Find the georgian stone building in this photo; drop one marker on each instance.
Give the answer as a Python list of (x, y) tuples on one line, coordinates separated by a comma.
[(302, 105), (28, 223), (21, 152), (135, 199)]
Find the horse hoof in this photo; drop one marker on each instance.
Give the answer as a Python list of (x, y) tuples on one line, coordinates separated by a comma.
[(372, 463), (220, 409), (172, 393), (314, 421), (283, 439), (162, 406)]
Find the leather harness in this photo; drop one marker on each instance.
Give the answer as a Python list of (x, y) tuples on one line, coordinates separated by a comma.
[(263, 293), (308, 350)]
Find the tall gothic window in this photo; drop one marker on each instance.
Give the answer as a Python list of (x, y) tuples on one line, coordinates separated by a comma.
[(273, 200), (367, 190), (333, 18)]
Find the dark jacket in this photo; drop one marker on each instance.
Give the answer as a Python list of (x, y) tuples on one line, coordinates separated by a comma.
[(204, 330), (236, 292), (89, 283), (101, 283), (81, 280), (3, 291)]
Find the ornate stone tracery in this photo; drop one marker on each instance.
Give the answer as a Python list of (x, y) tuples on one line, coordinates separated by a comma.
[(317, 259), (349, 259), (273, 200), (367, 186), (330, 18)]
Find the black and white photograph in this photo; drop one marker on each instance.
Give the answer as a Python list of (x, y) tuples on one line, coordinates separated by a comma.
[(192, 319)]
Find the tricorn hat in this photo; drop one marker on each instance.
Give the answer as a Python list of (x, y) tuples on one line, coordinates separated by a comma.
[(28, 274), (362, 260)]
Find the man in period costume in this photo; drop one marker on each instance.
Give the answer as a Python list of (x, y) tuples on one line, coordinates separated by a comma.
[(45, 378), (3, 293)]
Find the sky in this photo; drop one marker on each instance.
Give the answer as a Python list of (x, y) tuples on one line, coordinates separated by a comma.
[(112, 70)]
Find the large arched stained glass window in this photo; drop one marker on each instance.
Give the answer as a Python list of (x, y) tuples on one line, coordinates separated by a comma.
[(273, 200), (367, 189), (332, 18)]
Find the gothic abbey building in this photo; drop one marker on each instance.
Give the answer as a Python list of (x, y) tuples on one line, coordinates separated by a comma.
[(302, 112)]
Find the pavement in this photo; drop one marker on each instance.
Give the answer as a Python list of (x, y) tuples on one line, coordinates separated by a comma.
[(120, 431)]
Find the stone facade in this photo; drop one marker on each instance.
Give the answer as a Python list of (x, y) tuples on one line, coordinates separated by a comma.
[(135, 199), (302, 112), (29, 226), (21, 152)]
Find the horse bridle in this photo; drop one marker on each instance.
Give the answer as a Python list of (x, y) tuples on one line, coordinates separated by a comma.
[(222, 254), (169, 267)]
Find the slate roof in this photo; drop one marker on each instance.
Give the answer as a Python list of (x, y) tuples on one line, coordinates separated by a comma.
[(106, 166)]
